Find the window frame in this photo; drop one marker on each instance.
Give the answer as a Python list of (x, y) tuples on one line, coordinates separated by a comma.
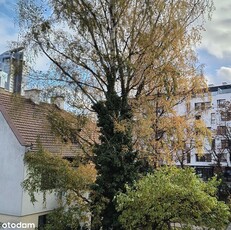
[(202, 106), (221, 130), (213, 118), (207, 157), (220, 103)]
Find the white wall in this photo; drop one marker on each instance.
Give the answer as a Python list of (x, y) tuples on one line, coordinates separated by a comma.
[(15, 205), (11, 170), (28, 208)]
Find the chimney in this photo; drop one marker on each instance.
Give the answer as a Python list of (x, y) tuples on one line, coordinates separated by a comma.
[(2, 90), (33, 94), (58, 100)]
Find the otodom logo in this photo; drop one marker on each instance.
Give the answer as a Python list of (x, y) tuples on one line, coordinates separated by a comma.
[(19, 225)]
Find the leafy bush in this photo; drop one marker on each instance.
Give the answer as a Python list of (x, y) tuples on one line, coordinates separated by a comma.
[(172, 195)]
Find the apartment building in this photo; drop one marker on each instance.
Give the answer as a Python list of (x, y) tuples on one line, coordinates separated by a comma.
[(11, 70), (215, 110)]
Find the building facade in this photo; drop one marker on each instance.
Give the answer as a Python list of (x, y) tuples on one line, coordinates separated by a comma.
[(11, 70), (215, 110), (22, 122)]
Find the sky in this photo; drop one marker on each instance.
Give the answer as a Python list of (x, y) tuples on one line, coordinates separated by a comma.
[(214, 52)]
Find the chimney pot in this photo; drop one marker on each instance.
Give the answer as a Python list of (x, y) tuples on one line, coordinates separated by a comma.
[(33, 94), (58, 100)]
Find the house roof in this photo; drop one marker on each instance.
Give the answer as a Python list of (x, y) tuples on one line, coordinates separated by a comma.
[(30, 123), (12, 126)]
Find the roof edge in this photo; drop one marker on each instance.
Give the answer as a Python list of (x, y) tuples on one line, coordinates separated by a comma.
[(12, 126)]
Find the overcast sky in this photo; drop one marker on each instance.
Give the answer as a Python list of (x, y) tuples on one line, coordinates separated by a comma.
[(214, 51)]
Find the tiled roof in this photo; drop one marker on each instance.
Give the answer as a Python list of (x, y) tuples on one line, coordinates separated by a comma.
[(29, 121)]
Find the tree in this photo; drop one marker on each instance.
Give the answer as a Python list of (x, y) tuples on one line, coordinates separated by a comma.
[(111, 52), (172, 195), (48, 173), (169, 136)]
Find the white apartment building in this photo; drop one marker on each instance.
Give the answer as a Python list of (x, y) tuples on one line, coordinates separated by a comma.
[(213, 110)]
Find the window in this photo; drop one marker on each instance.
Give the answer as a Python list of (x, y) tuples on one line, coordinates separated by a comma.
[(204, 172), (213, 144), (42, 220), (221, 156), (197, 106), (202, 106), (207, 105), (225, 144), (204, 158), (213, 118), (225, 116), (220, 103), (227, 174), (221, 130), (188, 157)]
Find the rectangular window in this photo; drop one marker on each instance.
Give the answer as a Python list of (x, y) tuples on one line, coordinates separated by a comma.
[(227, 174), (207, 105), (197, 106), (228, 116), (42, 220), (220, 103), (204, 172), (213, 144), (221, 156), (202, 106), (225, 116), (188, 157), (204, 158), (221, 130), (225, 144), (213, 118)]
